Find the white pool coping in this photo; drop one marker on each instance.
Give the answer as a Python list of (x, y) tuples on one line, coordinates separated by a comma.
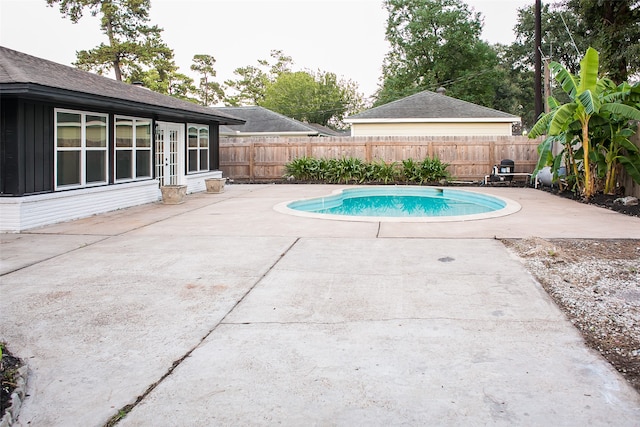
[(510, 207)]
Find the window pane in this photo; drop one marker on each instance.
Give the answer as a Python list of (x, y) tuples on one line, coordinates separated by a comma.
[(193, 160), (204, 138), (204, 160), (124, 166), (193, 137), (68, 168), (124, 133), (143, 163), (143, 133), (96, 166), (69, 129), (96, 131)]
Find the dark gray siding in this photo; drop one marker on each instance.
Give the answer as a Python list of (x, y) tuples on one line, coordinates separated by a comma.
[(214, 149), (26, 147), (39, 147)]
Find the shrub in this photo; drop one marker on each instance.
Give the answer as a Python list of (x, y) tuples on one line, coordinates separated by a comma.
[(354, 170)]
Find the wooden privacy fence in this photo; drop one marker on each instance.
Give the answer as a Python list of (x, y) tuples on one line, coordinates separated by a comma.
[(470, 158), (630, 187)]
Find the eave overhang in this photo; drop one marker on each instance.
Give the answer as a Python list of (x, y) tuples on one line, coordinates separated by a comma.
[(56, 95)]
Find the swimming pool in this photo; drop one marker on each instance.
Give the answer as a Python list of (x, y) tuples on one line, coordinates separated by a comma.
[(401, 204)]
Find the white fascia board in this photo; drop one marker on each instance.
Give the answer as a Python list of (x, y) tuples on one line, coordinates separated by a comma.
[(440, 120)]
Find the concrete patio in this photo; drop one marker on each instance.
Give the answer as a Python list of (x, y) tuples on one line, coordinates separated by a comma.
[(222, 311)]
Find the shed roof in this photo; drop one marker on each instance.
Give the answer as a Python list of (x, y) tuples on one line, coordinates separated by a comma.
[(260, 120), (34, 77), (431, 106)]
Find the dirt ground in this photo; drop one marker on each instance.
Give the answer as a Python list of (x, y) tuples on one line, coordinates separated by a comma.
[(597, 285)]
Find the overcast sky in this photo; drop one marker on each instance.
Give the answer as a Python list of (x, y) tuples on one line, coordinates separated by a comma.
[(345, 37)]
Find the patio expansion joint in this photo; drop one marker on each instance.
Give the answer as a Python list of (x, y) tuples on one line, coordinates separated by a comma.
[(41, 260), (121, 413), (400, 319)]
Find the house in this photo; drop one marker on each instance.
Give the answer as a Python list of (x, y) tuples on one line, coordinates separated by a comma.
[(260, 121), (431, 114), (73, 144)]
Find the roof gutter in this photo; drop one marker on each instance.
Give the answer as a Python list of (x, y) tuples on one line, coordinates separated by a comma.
[(267, 134), (513, 119)]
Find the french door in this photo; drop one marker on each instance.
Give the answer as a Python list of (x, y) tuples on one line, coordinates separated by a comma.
[(169, 153)]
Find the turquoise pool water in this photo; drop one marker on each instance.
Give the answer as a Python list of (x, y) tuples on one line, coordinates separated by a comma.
[(401, 204)]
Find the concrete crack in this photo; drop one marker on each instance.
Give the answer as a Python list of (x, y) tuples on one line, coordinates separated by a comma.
[(122, 412)]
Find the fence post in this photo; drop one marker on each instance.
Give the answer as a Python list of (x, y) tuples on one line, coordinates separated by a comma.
[(492, 154), (252, 153)]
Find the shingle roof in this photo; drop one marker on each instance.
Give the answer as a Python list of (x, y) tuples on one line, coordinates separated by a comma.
[(431, 105), (26, 74), (261, 120), (326, 131)]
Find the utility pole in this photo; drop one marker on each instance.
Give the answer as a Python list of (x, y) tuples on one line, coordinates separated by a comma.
[(538, 59)]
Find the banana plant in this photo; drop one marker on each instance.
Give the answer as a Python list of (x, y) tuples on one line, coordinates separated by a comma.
[(588, 96)]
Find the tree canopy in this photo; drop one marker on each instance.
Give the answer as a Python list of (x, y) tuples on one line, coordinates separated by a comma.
[(132, 43), (209, 91), (313, 98), (613, 28), (319, 97), (436, 43), (250, 86)]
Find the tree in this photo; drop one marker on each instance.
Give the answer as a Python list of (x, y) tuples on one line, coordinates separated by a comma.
[(132, 43), (562, 41), (437, 43), (252, 80), (209, 92), (613, 29), (163, 77), (314, 98), (563, 38)]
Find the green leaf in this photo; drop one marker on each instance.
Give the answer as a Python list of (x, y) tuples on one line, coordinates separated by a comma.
[(565, 78), (625, 111), (631, 164), (589, 102), (553, 103), (628, 145), (542, 125), (545, 156), (589, 71), (562, 118)]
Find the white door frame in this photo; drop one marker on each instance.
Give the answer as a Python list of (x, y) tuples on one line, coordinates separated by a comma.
[(169, 154)]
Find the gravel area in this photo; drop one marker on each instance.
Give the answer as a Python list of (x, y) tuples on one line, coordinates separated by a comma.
[(597, 285)]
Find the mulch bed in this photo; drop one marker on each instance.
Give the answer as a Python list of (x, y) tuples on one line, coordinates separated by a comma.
[(8, 371)]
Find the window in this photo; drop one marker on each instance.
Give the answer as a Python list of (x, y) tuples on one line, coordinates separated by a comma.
[(133, 148), (81, 149), (198, 148)]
